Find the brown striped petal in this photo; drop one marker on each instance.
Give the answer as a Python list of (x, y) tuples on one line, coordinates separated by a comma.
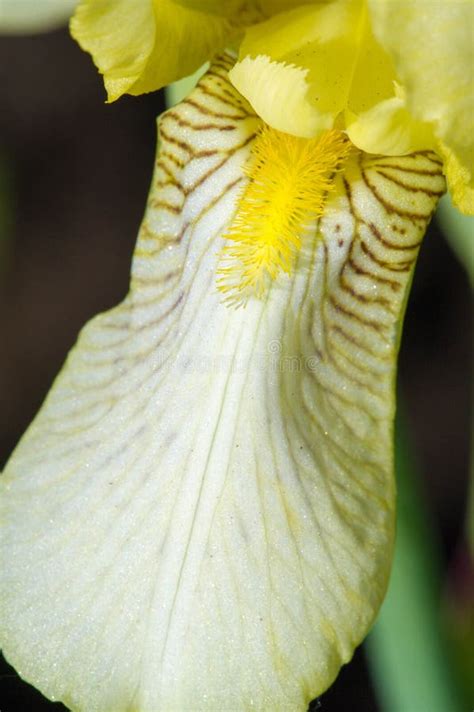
[(202, 514)]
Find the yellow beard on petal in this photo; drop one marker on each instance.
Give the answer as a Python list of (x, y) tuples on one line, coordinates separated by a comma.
[(289, 180)]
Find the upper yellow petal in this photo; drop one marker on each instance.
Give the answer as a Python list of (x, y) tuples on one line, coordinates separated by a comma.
[(389, 129), (227, 8), (320, 40), (373, 74), (336, 63), (278, 93), (120, 37), (433, 50), (459, 175), (142, 46)]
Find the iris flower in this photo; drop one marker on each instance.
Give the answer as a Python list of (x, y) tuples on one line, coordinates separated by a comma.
[(201, 516)]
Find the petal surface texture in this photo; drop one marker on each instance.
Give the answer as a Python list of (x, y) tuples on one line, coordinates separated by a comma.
[(142, 46), (320, 59), (202, 514)]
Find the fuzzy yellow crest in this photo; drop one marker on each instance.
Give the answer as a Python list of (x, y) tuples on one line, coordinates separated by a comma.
[(289, 180)]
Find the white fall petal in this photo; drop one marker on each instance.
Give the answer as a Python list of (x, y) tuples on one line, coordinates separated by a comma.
[(201, 517)]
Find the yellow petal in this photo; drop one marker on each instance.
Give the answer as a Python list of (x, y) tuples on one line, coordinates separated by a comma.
[(142, 46), (320, 42), (328, 50), (226, 8), (120, 36), (202, 514), (459, 176), (279, 94), (374, 73), (433, 50), (272, 7), (388, 128)]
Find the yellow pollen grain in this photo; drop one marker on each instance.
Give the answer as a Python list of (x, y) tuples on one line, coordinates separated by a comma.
[(289, 180)]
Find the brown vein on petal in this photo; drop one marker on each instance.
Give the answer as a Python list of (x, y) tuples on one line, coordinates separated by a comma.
[(178, 162), (169, 207), (390, 207), (359, 296), (391, 266), (183, 145), (358, 269), (186, 123), (188, 191), (207, 111), (369, 323), (410, 188), (386, 243), (387, 167), (367, 385)]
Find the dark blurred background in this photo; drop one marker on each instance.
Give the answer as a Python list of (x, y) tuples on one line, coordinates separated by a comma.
[(76, 173)]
